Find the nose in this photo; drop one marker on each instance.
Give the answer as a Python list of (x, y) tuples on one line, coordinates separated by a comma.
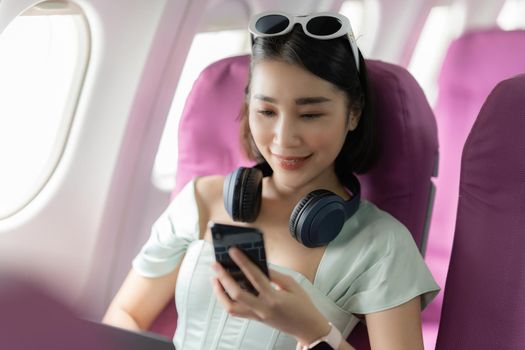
[(286, 133)]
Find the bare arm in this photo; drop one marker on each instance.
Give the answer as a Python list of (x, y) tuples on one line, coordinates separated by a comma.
[(392, 329), (396, 328), (140, 300)]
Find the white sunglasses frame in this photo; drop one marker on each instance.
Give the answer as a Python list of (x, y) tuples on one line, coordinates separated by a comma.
[(346, 28)]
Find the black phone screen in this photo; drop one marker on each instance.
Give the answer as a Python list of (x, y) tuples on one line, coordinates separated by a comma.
[(249, 240)]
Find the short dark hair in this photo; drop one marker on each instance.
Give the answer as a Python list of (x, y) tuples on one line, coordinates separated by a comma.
[(333, 61)]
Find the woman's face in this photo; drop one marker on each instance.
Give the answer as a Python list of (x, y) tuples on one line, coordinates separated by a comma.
[(299, 123)]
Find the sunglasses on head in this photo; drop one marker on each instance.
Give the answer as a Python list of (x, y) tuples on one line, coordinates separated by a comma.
[(322, 26)]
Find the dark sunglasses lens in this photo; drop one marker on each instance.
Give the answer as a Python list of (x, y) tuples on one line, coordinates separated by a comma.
[(323, 25), (272, 24)]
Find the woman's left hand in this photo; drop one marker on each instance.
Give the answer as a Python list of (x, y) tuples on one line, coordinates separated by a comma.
[(286, 306)]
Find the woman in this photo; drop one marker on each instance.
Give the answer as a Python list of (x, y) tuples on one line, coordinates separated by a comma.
[(307, 117)]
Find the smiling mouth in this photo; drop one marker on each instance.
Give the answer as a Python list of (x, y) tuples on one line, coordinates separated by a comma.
[(291, 163), (290, 158)]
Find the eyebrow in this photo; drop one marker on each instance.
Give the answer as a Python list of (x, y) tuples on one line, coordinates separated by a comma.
[(299, 101)]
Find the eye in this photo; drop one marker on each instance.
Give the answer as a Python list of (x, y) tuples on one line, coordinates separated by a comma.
[(311, 115), (266, 112)]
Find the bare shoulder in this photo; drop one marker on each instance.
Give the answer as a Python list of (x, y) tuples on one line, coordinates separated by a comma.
[(209, 188), (208, 196)]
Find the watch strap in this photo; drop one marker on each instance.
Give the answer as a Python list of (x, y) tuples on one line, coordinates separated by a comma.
[(322, 346), (330, 341)]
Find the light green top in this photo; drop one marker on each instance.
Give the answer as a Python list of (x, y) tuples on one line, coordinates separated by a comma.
[(372, 265)]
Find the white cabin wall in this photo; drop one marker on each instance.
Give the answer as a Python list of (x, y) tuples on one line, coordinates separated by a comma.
[(396, 26), (481, 14), (134, 202), (224, 15), (58, 237)]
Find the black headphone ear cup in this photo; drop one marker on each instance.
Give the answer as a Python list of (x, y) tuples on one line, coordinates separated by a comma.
[(230, 193), (251, 192), (242, 194), (318, 218), (298, 212), (293, 223)]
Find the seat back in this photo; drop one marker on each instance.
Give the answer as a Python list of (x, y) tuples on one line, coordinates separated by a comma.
[(484, 302), (399, 183), (474, 64)]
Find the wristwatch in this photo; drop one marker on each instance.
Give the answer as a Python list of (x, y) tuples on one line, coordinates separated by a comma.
[(330, 341)]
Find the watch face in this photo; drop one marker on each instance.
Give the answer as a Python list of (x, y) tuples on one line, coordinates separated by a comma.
[(322, 346)]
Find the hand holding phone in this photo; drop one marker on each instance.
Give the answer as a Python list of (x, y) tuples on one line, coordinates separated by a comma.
[(247, 239)]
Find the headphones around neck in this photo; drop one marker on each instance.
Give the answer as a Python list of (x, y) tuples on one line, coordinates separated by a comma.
[(316, 219)]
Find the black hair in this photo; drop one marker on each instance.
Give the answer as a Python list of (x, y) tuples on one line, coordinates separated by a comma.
[(333, 61)]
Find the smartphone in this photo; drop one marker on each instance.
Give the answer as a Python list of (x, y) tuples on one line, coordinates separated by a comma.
[(249, 240)]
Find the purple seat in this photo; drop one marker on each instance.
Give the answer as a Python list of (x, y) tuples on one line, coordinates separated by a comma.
[(484, 302), (474, 64), (400, 183)]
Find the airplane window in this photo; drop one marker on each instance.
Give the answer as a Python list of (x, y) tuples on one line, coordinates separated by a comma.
[(432, 45), (43, 57), (205, 49), (510, 17)]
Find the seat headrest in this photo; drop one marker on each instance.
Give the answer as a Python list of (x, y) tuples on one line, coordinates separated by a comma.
[(209, 140), (493, 161)]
